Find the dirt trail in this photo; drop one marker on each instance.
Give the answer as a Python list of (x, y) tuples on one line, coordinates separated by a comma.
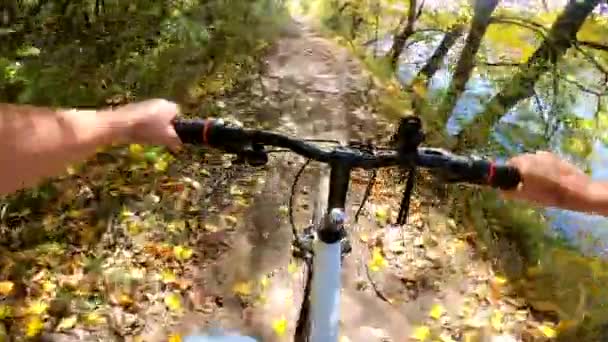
[(312, 88)]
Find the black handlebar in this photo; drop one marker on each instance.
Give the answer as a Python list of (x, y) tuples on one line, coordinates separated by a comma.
[(249, 144)]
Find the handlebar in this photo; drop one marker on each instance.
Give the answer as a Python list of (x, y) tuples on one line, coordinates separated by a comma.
[(249, 144)]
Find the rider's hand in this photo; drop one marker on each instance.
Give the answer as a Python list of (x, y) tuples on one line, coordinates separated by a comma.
[(548, 180), (151, 122)]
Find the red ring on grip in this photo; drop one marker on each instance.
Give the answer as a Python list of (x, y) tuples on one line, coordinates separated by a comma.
[(206, 132), (491, 173)]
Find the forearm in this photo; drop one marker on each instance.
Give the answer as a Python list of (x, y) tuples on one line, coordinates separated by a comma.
[(597, 198), (39, 142)]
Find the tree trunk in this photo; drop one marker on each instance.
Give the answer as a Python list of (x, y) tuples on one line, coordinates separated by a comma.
[(401, 38), (466, 62), (560, 38), (433, 64)]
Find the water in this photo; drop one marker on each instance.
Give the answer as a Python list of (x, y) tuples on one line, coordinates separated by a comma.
[(579, 228)]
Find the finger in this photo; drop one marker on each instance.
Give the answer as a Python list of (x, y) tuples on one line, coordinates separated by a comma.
[(172, 141)]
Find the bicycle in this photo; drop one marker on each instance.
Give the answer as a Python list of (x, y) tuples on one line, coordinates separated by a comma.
[(324, 243)]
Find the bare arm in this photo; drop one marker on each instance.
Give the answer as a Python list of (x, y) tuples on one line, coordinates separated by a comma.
[(41, 142), (551, 181)]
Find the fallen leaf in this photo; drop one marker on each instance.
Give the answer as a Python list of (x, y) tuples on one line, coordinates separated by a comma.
[(33, 326), (168, 277), (292, 267), (6, 287), (5, 312), (421, 333), (67, 323), (377, 262), (242, 288), (496, 320), (548, 331), (175, 338), (279, 326), (437, 311), (136, 150), (182, 253), (565, 324), (37, 307), (93, 319), (174, 302)]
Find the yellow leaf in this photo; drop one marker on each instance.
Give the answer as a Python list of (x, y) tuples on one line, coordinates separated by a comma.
[(547, 331), (436, 311), (6, 287), (378, 262), (175, 338), (279, 326), (33, 326), (37, 307), (67, 323), (125, 300), (94, 318), (264, 281), (161, 165), (496, 320), (136, 150), (422, 333), (242, 288), (230, 219), (283, 210), (182, 253), (381, 215), (292, 267), (174, 302), (364, 238), (48, 286), (566, 324), (5, 311), (167, 277)]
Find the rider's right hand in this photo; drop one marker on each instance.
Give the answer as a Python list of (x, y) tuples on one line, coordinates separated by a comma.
[(550, 181)]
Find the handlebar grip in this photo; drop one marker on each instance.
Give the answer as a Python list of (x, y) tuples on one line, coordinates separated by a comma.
[(504, 177), (213, 133), (190, 131)]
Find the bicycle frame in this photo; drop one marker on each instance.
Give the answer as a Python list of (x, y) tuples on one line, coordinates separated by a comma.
[(327, 261)]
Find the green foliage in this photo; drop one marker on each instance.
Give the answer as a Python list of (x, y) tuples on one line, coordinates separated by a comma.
[(82, 56)]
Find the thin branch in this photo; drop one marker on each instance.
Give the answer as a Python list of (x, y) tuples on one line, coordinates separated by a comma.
[(531, 25), (501, 64), (420, 10), (583, 87), (590, 58), (593, 45)]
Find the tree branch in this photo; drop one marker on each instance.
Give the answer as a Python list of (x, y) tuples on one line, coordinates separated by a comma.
[(559, 39)]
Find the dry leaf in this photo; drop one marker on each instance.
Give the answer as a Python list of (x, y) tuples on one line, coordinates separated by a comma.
[(378, 262), (436, 311), (67, 323), (279, 326), (37, 308), (174, 302), (242, 288), (174, 338), (93, 319), (6, 287), (182, 253), (33, 326), (422, 333), (496, 320), (548, 331)]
